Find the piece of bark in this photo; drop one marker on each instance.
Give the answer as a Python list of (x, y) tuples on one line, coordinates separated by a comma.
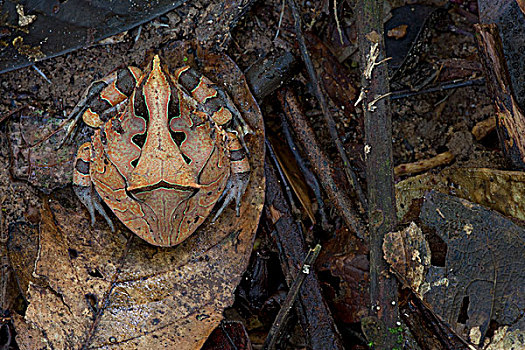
[(483, 128), (506, 14), (429, 330), (510, 117)]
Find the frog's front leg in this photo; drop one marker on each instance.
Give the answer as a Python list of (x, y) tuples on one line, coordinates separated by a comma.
[(230, 126), (239, 175), (83, 186), (102, 98), (215, 102)]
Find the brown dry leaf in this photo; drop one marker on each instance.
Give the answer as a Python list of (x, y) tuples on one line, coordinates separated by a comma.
[(504, 339), (98, 293), (92, 288), (23, 248), (521, 4), (229, 336), (398, 32), (33, 339), (294, 175), (154, 298), (500, 190), (334, 77), (408, 254), (344, 257), (482, 281)]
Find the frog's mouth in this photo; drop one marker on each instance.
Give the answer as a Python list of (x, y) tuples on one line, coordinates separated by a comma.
[(163, 185)]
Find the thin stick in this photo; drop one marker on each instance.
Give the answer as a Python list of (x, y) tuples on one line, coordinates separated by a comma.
[(352, 177), (442, 87), (280, 321), (338, 25), (280, 21), (8, 114)]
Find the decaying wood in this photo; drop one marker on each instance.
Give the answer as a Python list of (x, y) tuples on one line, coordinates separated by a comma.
[(280, 321), (313, 311), (431, 332), (321, 165), (484, 127), (378, 155), (510, 118), (268, 73), (309, 176)]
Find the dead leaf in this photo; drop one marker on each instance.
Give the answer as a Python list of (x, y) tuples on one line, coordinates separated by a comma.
[(23, 249), (500, 190), (344, 258), (229, 336), (483, 278), (408, 254), (134, 297), (504, 339), (521, 4), (398, 32), (294, 175), (334, 76)]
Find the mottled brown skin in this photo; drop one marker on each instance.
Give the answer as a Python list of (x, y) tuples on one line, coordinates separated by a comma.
[(166, 158)]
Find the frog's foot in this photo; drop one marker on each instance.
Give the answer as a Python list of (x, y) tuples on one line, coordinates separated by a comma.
[(92, 202), (235, 188)]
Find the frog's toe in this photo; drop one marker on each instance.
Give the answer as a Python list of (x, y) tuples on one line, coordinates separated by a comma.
[(235, 188), (92, 202)]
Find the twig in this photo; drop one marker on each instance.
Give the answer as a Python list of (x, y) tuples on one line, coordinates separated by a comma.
[(287, 188), (484, 127), (312, 311), (281, 15), (280, 321), (337, 24), (321, 165), (352, 178), (310, 178), (442, 87), (424, 164), (379, 158), (7, 115), (41, 73)]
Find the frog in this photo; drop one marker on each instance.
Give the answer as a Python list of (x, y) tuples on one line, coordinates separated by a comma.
[(167, 151)]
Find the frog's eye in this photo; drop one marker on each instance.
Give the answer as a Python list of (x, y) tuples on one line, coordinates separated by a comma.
[(173, 105), (178, 137), (139, 140), (139, 104)]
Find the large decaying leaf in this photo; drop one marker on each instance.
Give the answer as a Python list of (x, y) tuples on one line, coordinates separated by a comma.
[(38, 29), (500, 190), (483, 279), (96, 289)]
